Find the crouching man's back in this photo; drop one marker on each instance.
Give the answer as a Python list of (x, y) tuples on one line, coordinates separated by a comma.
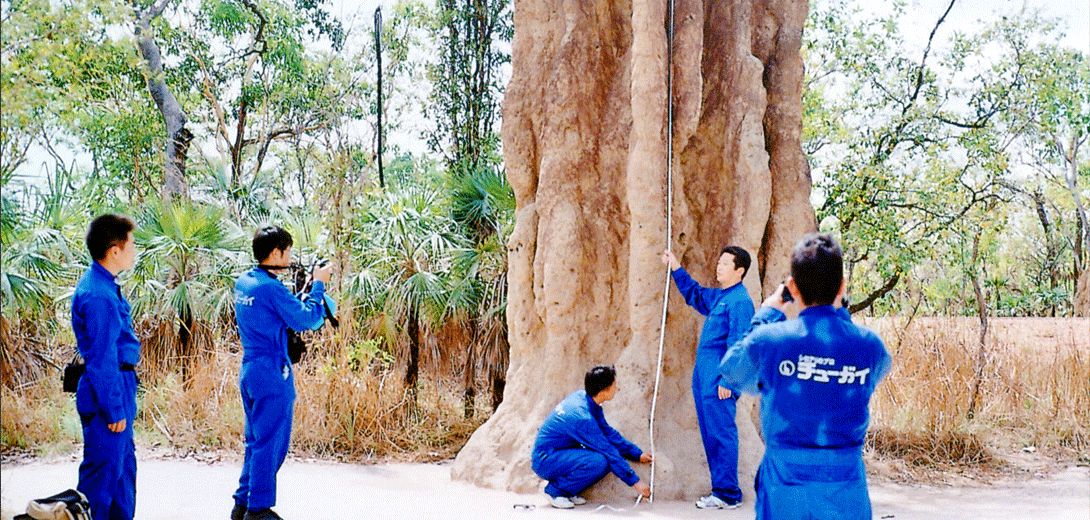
[(576, 447)]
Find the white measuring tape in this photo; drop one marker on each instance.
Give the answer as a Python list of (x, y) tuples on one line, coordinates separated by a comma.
[(669, 232)]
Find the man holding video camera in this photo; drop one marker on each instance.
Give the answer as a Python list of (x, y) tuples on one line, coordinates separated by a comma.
[(265, 309), (815, 375)]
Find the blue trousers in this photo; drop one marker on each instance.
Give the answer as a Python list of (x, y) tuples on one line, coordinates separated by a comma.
[(268, 398), (717, 429), (798, 484), (571, 471), (107, 474)]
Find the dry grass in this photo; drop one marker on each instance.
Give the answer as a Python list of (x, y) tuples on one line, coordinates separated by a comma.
[(38, 418), (352, 407), (1033, 391), (345, 409)]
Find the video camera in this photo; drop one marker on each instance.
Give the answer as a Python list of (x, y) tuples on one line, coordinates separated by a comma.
[(302, 282)]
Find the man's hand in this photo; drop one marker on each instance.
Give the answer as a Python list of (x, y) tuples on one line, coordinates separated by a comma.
[(775, 300), (117, 427), (322, 274), (724, 393), (669, 260), (646, 458), (643, 488)]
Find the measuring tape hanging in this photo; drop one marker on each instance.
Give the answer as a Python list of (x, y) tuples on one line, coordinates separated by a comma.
[(669, 231)]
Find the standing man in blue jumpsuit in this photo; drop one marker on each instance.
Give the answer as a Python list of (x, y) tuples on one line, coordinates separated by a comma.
[(728, 310), (815, 375), (264, 310), (576, 447), (106, 395)]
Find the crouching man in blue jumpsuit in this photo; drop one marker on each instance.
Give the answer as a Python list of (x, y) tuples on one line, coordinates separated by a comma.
[(728, 311), (264, 310), (106, 395), (576, 447), (815, 375)]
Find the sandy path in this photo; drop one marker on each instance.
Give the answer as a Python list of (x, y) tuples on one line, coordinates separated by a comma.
[(183, 489)]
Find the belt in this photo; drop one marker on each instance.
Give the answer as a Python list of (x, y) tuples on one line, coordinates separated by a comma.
[(127, 367)]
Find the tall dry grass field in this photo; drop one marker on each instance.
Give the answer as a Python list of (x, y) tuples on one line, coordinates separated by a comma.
[(1032, 390), (350, 406)]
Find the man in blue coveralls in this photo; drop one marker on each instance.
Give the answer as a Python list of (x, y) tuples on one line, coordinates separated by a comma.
[(816, 375), (106, 395), (728, 311), (576, 447), (264, 310)]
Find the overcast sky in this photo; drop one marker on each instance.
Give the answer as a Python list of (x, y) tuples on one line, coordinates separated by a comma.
[(967, 16)]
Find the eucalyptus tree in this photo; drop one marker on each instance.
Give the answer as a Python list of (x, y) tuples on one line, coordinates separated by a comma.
[(467, 78), (904, 145)]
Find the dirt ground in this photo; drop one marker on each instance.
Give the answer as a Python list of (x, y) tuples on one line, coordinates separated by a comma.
[(170, 489)]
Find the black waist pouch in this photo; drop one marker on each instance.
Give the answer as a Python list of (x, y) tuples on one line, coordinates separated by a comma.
[(71, 374)]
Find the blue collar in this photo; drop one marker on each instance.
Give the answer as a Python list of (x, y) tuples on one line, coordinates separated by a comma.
[(102, 272), (591, 403), (818, 310), (267, 272)]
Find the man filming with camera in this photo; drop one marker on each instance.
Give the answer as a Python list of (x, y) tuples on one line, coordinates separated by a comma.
[(265, 310), (816, 375)]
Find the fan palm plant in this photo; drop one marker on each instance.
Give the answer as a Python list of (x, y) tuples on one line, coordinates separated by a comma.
[(190, 256), (38, 267), (405, 245), (483, 206)]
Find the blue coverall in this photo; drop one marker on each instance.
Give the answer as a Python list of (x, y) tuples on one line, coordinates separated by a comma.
[(728, 313), (106, 393), (264, 310), (816, 375), (576, 447)]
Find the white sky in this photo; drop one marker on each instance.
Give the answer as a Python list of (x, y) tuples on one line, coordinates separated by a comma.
[(967, 16)]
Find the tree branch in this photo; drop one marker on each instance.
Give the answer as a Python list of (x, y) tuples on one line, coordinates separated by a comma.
[(878, 293)]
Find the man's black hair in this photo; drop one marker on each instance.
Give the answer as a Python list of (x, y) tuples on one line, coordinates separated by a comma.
[(107, 231), (599, 378), (269, 238), (741, 258), (817, 266)]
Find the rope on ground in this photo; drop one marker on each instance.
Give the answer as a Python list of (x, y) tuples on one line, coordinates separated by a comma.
[(669, 231)]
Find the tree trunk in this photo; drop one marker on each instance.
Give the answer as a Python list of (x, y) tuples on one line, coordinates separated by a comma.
[(499, 383), (413, 368), (584, 141), (982, 313), (178, 136), (469, 381)]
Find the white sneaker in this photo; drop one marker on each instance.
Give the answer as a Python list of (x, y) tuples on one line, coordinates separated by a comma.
[(714, 502), (561, 502), (578, 500)]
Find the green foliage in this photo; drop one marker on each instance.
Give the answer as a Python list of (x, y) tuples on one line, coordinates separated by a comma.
[(467, 80), (37, 246), (190, 256), (915, 153)]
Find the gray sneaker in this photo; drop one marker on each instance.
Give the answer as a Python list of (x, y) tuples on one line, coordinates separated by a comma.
[(713, 502), (561, 502), (577, 500)]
